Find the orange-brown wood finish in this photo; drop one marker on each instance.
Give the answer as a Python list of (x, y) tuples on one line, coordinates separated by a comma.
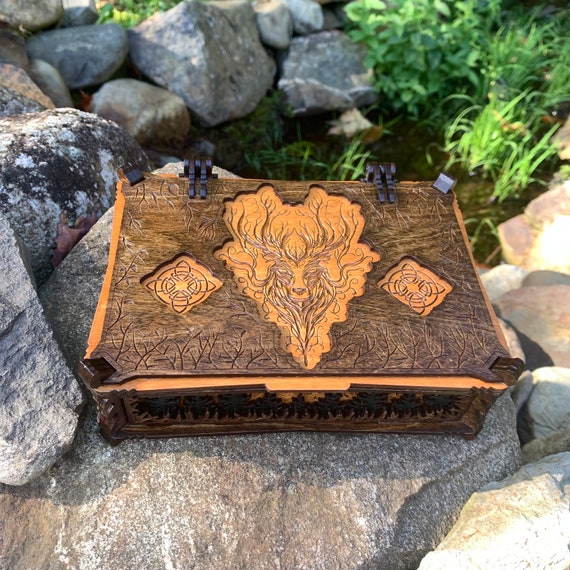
[(276, 305)]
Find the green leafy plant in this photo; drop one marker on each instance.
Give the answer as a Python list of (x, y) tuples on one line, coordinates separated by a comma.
[(506, 137), (129, 13), (483, 235), (423, 51), (305, 160)]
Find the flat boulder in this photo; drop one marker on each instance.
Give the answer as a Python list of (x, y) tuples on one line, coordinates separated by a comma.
[(295, 500), (84, 55), (58, 162), (325, 72), (208, 53), (39, 396), (150, 114)]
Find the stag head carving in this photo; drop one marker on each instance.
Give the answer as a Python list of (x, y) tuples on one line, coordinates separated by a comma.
[(300, 263)]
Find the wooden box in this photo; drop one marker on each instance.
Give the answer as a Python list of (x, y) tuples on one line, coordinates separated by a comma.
[(235, 305)]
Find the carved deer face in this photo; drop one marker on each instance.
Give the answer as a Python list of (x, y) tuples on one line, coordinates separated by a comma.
[(301, 263)]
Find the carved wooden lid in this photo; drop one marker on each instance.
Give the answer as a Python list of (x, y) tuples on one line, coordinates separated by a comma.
[(291, 286)]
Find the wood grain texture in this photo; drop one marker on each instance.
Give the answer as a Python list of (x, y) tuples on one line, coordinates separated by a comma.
[(314, 283)]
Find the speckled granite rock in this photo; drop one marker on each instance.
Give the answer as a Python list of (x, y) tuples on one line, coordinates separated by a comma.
[(60, 161), (39, 396), (520, 523)]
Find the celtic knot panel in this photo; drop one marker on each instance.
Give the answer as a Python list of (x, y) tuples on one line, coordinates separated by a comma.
[(416, 286), (182, 283)]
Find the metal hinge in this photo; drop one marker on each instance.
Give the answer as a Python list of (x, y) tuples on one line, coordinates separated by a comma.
[(198, 170), (383, 176), (132, 173), (444, 183)]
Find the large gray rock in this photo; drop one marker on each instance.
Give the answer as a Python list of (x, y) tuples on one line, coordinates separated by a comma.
[(501, 279), (297, 500), (274, 22), (541, 317), (548, 407), (84, 55), (534, 239), (307, 16), (545, 277), (149, 113), (209, 54), (13, 48), (39, 396), (51, 83), (516, 524), (325, 72), (79, 13), (61, 161), (19, 94), (33, 15), (537, 449)]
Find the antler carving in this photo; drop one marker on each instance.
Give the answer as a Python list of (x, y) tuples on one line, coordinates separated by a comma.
[(301, 263)]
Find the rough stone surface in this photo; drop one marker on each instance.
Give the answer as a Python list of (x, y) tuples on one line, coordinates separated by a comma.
[(208, 53), (13, 48), (562, 139), (51, 83), (522, 390), (274, 22), (545, 277), (33, 15), (148, 113), (331, 19), (537, 449), (502, 278), (38, 394), (307, 16), (325, 72), (516, 524), (512, 340), (19, 94), (533, 239), (70, 294), (548, 407), (79, 13), (541, 317), (84, 55), (298, 500), (61, 161)]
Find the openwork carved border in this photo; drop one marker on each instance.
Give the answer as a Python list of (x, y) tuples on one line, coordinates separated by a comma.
[(384, 406)]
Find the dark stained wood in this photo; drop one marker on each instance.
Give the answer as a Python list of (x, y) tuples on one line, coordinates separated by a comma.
[(276, 305)]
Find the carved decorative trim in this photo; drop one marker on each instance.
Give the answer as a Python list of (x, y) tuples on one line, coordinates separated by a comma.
[(416, 286), (182, 283), (301, 263)]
